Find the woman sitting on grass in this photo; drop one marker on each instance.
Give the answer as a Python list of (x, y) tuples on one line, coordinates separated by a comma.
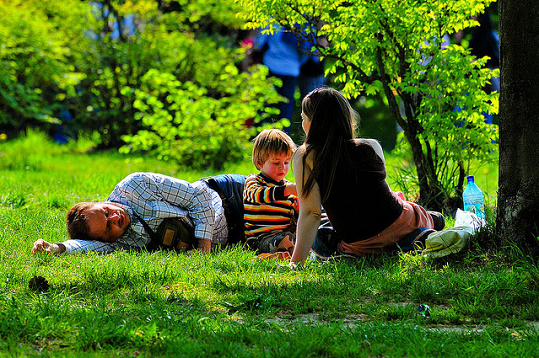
[(347, 176)]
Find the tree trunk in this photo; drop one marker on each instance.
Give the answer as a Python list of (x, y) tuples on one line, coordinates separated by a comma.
[(518, 193), (412, 133), (430, 193)]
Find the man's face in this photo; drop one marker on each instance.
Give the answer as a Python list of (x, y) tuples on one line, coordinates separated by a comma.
[(106, 221)]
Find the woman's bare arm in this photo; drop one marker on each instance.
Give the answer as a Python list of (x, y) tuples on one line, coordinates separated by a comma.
[(309, 210)]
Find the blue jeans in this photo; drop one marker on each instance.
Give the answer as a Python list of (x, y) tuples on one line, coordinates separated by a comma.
[(325, 242), (287, 90), (309, 83), (230, 189)]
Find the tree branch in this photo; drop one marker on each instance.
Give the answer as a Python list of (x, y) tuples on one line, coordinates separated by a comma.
[(393, 105)]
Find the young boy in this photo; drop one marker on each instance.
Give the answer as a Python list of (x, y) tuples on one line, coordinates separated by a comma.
[(270, 201)]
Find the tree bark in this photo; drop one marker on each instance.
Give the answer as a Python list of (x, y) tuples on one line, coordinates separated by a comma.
[(518, 192)]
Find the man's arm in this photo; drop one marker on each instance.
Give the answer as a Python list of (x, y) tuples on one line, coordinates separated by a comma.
[(165, 196), (71, 247)]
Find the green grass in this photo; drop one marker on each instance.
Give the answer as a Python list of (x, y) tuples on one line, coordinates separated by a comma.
[(483, 303)]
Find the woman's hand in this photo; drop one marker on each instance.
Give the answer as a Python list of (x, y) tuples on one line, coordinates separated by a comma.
[(293, 265)]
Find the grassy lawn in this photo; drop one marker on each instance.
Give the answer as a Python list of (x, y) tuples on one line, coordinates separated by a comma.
[(482, 303)]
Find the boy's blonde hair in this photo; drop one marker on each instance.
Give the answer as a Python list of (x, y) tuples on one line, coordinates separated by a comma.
[(271, 141)]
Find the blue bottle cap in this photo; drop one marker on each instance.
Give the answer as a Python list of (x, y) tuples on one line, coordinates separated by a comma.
[(470, 178)]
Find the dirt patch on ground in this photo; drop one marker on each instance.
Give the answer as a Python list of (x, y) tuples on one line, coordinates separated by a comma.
[(314, 318), (356, 320)]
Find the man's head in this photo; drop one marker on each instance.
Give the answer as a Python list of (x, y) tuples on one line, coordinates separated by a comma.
[(272, 151), (97, 221)]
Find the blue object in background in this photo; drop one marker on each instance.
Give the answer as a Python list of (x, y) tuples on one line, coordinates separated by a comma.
[(62, 132)]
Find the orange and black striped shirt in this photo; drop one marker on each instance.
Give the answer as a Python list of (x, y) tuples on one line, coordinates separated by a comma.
[(265, 206)]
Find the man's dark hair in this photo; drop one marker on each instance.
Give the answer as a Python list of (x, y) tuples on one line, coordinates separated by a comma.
[(77, 221)]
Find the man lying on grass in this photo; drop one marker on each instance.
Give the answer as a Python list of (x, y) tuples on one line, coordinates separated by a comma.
[(210, 208)]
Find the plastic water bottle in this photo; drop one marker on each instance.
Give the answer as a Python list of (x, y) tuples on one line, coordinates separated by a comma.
[(473, 198)]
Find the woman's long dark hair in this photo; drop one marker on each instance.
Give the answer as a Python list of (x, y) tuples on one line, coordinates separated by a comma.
[(330, 134)]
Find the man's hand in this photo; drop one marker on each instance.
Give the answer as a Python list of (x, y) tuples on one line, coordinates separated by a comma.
[(45, 246), (203, 245)]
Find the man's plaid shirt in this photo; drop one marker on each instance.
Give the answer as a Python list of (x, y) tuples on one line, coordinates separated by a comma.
[(155, 197)]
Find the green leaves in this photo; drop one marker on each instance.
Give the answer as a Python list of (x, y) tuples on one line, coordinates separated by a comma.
[(397, 47), (35, 59), (184, 123)]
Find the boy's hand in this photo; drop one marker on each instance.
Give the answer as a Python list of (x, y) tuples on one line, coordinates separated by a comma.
[(295, 205), (290, 189)]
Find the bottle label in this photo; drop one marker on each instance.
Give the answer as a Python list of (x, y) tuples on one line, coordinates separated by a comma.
[(476, 208)]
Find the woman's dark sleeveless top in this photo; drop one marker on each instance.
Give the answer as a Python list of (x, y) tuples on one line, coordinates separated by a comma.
[(360, 204)]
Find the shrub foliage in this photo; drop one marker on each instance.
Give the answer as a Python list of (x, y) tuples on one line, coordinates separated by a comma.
[(435, 93), (117, 66)]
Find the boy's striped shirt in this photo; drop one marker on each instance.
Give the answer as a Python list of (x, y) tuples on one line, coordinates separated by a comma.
[(266, 208)]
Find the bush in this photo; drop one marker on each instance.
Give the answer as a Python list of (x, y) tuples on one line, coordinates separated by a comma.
[(396, 48), (160, 75), (39, 43), (187, 125)]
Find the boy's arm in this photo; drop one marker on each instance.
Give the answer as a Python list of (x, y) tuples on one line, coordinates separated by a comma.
[(257, 192)]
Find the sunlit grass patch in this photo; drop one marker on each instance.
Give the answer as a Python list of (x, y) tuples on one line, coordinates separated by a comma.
[(482, 302)]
